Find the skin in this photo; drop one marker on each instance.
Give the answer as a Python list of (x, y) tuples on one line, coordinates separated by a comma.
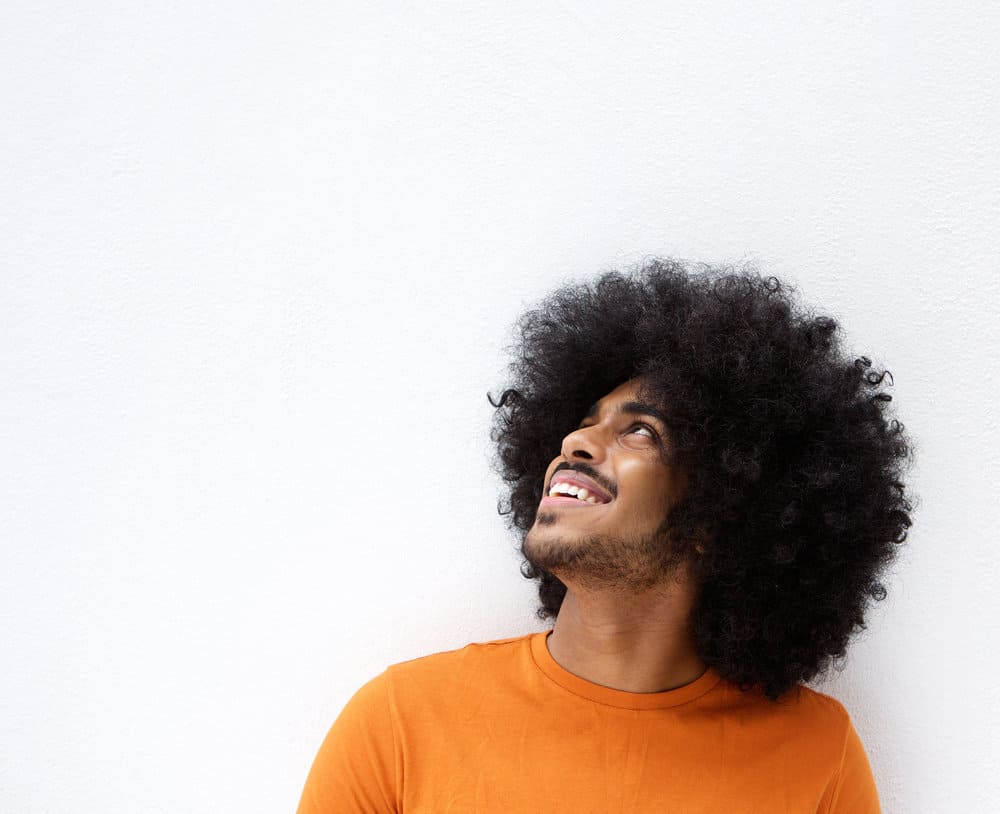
[(623, 622)]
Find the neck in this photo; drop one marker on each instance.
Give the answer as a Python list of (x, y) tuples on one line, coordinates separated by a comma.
[(642, 645)]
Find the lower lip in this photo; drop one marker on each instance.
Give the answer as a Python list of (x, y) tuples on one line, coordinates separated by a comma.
[(567, 501)]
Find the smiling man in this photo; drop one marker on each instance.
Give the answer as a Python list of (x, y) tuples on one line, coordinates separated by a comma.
[(601, 528), (707, 493)]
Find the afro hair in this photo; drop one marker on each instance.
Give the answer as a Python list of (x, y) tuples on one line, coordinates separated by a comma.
[(795, 469)]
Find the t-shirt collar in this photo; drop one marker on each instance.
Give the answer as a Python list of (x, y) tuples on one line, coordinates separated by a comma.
[(612, 697)]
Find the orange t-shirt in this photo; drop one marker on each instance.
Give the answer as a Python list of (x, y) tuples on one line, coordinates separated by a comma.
[(501, 727)]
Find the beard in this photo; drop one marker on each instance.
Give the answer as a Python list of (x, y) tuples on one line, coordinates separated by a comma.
[(604, 562)]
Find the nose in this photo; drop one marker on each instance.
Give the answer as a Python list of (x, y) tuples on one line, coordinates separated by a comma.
[(583, 444)]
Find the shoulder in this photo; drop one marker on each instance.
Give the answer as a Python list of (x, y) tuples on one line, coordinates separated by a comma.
[(425, 684), (819, 706), (474, 652), (440, 680), (808, 728), (826, 715), (852, 787), (801, 704), (472, 658), (802, 720)]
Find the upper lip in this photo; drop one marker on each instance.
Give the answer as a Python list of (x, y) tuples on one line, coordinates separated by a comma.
[(580, 480)]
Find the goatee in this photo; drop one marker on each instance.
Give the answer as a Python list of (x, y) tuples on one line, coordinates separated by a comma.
[(602, 562)]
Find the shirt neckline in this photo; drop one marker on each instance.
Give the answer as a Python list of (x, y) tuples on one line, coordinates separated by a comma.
[(612, 697)]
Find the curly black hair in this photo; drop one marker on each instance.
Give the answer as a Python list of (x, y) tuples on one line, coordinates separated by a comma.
[(795, 468)]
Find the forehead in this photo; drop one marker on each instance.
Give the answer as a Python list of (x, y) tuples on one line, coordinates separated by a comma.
[(625, 391), (628, 397)]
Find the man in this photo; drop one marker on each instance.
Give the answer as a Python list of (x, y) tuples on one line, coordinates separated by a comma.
[(707, 494)]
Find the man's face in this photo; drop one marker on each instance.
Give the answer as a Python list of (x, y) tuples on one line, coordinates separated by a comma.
[(613, 537)]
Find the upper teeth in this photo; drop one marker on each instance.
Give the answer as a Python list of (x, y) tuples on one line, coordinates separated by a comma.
[(569, 489)]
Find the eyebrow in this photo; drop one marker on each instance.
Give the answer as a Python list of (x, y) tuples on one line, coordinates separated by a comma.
[(634, 408)]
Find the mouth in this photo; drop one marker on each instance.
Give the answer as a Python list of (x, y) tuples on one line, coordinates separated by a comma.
[(569, 488)]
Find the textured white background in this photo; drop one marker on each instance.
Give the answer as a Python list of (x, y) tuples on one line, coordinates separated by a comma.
[(259, 263)]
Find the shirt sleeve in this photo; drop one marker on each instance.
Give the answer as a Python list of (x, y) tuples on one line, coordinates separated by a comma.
[(854, 790), (355, 769)]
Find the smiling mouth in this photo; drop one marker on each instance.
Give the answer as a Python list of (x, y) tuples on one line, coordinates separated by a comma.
[(573, 489), (560, 493), (566, 501)]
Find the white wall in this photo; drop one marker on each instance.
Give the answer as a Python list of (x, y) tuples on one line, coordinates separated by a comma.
[(259, 262)]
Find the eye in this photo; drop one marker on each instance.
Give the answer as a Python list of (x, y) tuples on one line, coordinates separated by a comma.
[(645, 428)]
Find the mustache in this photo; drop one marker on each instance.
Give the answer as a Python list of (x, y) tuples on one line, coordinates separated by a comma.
[(590, 472)]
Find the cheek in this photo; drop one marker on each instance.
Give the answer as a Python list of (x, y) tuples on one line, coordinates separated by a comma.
[(657, 491)]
